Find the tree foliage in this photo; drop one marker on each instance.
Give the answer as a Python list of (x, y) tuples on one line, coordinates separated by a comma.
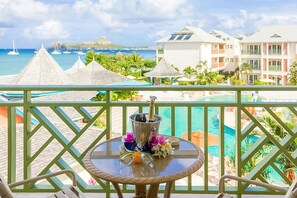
[(132, 64), (293, 74)]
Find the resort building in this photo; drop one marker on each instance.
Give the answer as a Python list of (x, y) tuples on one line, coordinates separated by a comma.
[(189, 46), (231, 50), (269, 51)]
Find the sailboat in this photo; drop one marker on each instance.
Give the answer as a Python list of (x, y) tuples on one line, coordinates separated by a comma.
[(67, 51), (56, 50), (80, 52), (14, 50)]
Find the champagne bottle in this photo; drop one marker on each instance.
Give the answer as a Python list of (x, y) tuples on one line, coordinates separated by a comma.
[(152, 108)]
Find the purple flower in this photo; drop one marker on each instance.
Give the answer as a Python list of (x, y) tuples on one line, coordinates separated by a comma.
[(161, 139), (153, 140), (128, 137), (157, 139)]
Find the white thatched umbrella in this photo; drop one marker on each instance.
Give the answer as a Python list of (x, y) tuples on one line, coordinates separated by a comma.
[(95, 74), (42, 70), (163, 70), (76, 66)]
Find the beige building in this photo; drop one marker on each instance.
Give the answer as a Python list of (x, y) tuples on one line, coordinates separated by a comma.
[(189, 46), (269, 51)]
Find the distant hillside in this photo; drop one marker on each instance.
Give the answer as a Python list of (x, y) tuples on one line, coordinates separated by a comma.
[(102, 43)]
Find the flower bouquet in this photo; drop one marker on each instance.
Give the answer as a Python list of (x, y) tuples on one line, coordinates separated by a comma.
[(156, 147)]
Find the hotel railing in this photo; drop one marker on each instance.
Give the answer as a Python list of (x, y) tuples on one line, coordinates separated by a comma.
[(274, 52), (274, 67), (52, 135), (251, 52)]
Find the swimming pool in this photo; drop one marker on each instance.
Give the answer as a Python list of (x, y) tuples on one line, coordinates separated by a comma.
[(197, 122)]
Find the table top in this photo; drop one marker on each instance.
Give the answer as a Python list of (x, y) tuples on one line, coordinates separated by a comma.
[(103, 161)]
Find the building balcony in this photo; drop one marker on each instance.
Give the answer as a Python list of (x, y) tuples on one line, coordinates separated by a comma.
[(217, 51), (256, 67), (160, 51), (274, 52), (49, 128), (275, 68), (251, 52)]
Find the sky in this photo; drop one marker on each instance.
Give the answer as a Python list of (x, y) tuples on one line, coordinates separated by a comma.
[(132, 22)]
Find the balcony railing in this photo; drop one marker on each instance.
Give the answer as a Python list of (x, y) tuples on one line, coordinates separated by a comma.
[(256, 67), (251, 52), (275, 67), (53, 136), (274, 52), (160, 51)]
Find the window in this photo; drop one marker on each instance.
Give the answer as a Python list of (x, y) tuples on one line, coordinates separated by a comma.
[(172, 37), (180, 37), (275, 65), (255, 64), (187, 37), (274, 49), (253, 49)]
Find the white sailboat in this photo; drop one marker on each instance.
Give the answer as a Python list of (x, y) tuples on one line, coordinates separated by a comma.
[(14, 50), (80, 52), (67, 51), (56, 50)]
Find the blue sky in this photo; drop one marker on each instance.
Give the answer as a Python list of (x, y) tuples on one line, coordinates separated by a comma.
[(132, 22)]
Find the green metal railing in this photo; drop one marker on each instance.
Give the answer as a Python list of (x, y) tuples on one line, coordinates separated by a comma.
[(53, 136), (251, 52), (274, 52), (274, 67)]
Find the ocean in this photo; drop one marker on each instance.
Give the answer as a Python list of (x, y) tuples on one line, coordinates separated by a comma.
[(13, 64)]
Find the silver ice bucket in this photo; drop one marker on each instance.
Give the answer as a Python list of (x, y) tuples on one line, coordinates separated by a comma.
[(142, 129)]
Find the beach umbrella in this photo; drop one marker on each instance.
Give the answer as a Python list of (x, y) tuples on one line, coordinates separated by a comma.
[(42, 69), (96, 74), (163, 69), (197, 137), (186, 79), (76, 66), (267, 80)]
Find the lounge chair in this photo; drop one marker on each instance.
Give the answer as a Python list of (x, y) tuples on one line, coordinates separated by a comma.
[(69, 192), (290, 193)]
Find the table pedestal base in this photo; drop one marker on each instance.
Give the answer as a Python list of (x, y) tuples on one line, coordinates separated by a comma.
[(140, 190)]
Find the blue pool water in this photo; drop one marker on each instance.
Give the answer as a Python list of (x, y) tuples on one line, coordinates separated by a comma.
[(197, 122)]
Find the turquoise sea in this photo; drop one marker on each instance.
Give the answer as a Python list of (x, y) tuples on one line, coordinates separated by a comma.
[(13, 64)]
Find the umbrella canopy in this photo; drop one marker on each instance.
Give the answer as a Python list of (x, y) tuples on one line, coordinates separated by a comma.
[(42, 70), (186, 79), (96, 74), (163, 69), (76, 66), (197, 137), (267, 80)]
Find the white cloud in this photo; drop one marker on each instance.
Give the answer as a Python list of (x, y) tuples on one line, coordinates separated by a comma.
[(21, 9), (50, 29), (118, 14)]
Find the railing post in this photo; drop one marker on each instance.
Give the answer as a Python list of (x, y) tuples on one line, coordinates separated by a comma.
[(11, 130), (108, 128), (238, 153), (27, 131)]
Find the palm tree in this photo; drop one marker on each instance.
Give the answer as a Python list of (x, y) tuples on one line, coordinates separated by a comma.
[(293, 73), (279, 133), (189, 71), (245, 69)]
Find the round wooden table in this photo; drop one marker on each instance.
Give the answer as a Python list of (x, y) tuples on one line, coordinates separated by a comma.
[(103, 162)]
